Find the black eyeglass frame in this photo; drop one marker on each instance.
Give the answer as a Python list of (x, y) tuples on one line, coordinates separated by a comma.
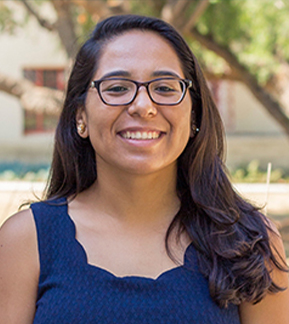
[(186, 85)]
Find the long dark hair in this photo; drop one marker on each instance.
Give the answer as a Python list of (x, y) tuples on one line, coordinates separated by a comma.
[(230, 235)]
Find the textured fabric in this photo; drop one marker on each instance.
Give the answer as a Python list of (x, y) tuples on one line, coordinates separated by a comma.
[(72, 291)]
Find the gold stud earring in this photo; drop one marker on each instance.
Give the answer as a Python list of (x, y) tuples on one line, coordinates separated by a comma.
[(81, 128)]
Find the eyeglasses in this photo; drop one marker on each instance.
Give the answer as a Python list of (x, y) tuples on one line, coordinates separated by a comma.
[(121, 91)]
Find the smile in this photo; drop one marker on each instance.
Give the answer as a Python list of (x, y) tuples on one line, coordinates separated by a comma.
[(140, 135)]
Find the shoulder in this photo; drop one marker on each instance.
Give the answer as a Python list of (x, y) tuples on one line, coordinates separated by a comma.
[(278, 251), (275, 243), (273, 308), (19, 267), (18, 238), (18, 227)]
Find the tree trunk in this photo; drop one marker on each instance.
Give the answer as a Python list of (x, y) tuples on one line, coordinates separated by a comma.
[(65, 27)]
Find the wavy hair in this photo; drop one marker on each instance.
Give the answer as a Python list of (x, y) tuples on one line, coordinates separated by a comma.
[(230, 235)]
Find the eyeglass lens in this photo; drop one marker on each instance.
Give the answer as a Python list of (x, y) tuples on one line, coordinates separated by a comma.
[(163, 91)]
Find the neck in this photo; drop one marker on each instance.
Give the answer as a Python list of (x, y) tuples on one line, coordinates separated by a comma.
[(137, 199)]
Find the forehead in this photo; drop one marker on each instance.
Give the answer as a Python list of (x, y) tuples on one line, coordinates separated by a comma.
[(140, 53)]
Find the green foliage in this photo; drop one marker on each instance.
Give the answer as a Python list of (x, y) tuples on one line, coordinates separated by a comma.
[(208, 59), (222, 20), (22, 171), (255, 31), (253, 173), (84, 22), (8, 21), (10, 175)]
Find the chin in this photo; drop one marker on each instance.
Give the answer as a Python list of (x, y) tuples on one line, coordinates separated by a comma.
[(148, 168)]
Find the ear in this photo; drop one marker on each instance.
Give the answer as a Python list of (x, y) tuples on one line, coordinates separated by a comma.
[(81, 123), (194, 128)]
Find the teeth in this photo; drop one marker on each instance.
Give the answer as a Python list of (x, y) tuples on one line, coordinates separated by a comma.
[(141, 135)]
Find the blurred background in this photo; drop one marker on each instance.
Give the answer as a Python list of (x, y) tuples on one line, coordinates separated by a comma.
[(242, 46)]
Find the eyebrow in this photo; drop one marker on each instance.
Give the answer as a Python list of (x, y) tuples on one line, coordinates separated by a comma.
[(165, 73), (117, 73), (123, 73)]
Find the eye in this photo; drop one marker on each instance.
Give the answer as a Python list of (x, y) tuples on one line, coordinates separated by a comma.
[(115, 87), (166, 87)]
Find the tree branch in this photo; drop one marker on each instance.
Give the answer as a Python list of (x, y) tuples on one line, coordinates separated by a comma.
[(267, 101), (180, 7), (199, 10), (65, 27), (32, 98), (42, 22), (119, 7), (173, 11)]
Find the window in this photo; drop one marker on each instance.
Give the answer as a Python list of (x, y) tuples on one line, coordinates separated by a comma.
[(35, 122)]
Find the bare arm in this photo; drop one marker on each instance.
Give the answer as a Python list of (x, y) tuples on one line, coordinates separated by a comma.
[(274, 308), (19, 269)]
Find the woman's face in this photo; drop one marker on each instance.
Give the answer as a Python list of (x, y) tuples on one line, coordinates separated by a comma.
[(143, 137)]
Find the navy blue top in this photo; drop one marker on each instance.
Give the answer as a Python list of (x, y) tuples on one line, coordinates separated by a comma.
[(73, 291)]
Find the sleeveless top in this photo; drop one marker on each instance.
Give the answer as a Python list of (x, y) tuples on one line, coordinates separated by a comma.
[(72, 291)]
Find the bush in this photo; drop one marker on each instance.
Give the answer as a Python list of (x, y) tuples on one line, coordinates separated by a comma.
[(252, 173), (26, 172)]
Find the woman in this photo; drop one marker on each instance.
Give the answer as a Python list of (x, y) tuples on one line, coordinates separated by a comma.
[(140, 222)]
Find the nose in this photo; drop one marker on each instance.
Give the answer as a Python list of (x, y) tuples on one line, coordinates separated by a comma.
[(142, 105)]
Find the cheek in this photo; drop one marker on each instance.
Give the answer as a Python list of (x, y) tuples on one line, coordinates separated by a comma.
[(181, 128), (184, 127), (101, 122), (96, 115), (186, 131), (185, 116)]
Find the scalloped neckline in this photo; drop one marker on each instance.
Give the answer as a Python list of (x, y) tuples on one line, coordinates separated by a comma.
[(126, 277)]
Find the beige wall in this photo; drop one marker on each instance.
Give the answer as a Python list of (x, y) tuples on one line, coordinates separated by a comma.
[(266, 148), (241, 112), (251, 132), (250, 116), (31, 46)]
